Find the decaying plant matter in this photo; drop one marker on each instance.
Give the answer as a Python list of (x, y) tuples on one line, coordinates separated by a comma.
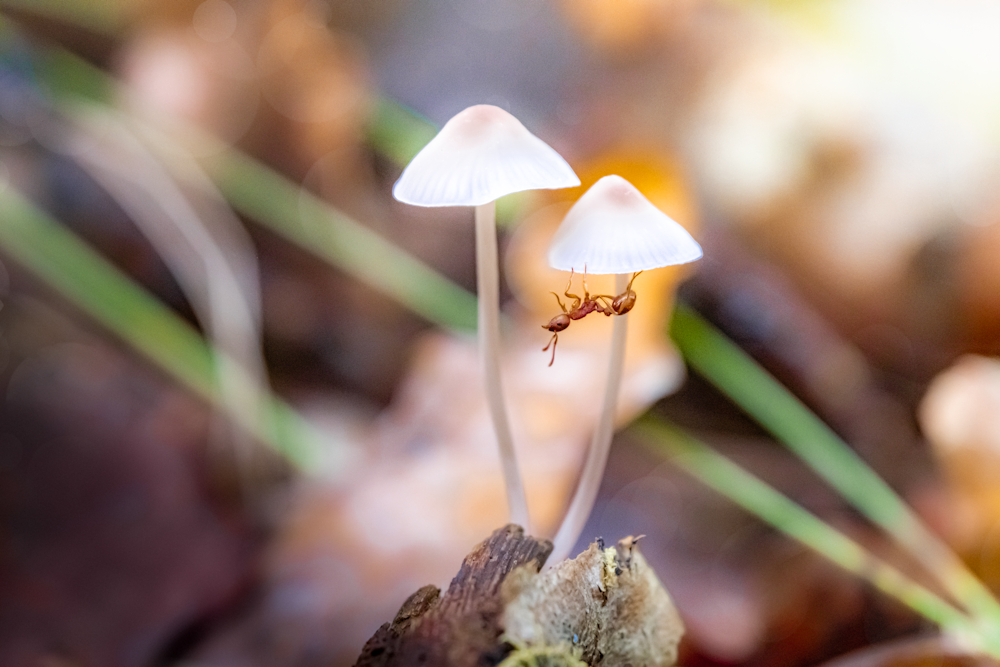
[(606, 607)]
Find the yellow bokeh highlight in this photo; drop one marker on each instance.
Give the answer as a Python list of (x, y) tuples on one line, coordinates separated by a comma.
[(660, 179)]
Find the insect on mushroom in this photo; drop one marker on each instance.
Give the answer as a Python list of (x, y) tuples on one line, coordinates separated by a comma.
[(612, 229), (580, 308)]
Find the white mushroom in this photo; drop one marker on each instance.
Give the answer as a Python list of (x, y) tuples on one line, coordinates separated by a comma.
[(480, 155), (612, 228)]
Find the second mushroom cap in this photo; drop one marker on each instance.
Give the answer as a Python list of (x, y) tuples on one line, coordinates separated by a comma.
[(613, 228)]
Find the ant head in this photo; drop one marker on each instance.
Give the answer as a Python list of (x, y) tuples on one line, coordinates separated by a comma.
[(558, 323)]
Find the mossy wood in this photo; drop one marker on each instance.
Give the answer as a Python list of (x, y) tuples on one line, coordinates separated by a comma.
[(460, 627), (606, 607)]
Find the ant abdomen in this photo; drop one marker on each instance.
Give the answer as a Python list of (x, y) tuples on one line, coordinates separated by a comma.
[(623, 303)]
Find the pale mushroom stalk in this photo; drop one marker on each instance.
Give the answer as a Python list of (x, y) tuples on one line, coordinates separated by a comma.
[(488, 283), (480, 155), (612, 229), (600, 444)]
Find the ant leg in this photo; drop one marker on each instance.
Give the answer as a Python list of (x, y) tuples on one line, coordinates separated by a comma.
[(608, 299), (553, 342), (559, 301), (570, 283), (634, 275), (576, 300), (606, 308)]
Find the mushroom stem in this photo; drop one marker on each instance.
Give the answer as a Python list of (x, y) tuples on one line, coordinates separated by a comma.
[(488, 279), (597, 457)]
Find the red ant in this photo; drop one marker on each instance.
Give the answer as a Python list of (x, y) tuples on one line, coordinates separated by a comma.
[(580, 308)]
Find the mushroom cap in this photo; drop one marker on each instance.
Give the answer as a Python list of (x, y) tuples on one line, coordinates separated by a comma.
[(480, 155), (612, 228)]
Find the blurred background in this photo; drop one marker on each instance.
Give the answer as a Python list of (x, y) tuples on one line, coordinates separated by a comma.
[(242, 419)]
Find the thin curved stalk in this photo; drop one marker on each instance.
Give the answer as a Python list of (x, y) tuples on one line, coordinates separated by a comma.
[(50, 251), (272, 200), (768, 504), (600, 445), (225, 305), (738, 376), (303, 218), (488, 283)]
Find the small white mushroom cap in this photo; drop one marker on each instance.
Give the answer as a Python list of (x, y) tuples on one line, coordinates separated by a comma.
[(480, 155), (612, 228)]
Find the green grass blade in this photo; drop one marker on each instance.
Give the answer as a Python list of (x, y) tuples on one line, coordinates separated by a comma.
[(398, 132), (301, 217), (762, 500), (755, 390), (98, 16), (68, 77), (84, 278)]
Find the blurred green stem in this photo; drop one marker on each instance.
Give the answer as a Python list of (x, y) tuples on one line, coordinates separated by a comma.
[(757, 497), (751, 387), (314, 225), (98, 16), (55, 255), (397, 131), (296, 214)]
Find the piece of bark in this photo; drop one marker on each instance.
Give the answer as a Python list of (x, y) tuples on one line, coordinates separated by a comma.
[(606, 607), (460, 628)]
